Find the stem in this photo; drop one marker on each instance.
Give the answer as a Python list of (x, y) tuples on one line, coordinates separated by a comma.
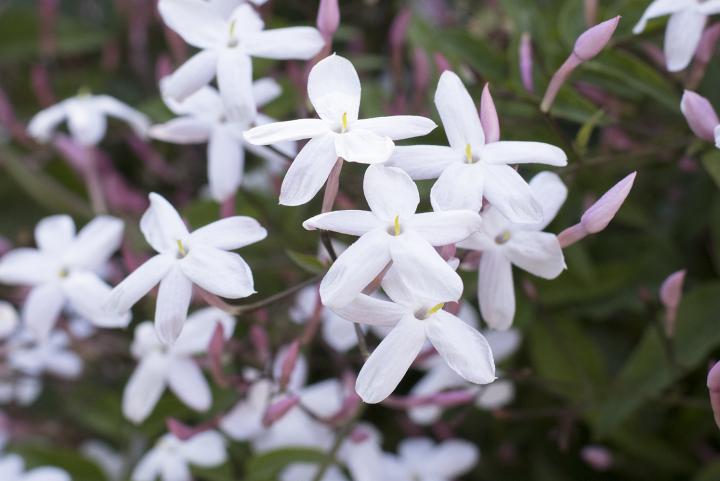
[(94, 185)]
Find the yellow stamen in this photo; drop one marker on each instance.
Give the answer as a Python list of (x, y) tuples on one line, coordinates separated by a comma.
[(502, 237), (344, 122), (435, 308), (233, 41), (397, 225), (468, 153), (181, 248)]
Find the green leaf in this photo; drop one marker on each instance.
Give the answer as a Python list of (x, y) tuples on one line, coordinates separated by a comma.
[(306, 262), (583, 136), (711, 162), (267, 467), (79, 467)]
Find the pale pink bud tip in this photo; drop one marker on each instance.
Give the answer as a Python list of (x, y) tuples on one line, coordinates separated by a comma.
[(278, 410), (593, 40), (670, 296), (328, 19), (700, 115), (489, 116), (526, 62), (713, 384), (599, 215), (598, 457), (288, 363)]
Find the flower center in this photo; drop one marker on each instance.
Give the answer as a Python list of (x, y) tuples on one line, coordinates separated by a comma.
[(396, 229), (233, 42), (503, 237), (182, 251), (344, 123), (63, 272), (424, 314), (468, 154)]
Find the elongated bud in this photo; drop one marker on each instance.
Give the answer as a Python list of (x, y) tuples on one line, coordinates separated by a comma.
[(670, 296), (599, 215), (180, 430), (598, 457), (713, 384), (572, 235), (399, 28), (328, 18), (588, 45), (707, 44), (488, 116), (259, 338), (288, 364), (441, 62), (526, 62), (700, 115), (279, 409), (215, 351)]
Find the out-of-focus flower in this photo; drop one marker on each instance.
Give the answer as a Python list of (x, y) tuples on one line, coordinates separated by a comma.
[(173, 367), (471, 168), (713, 385), (111, 462), (227, 7), (701, 117), (32, 357), (227, 45), (393, 231), (202, 257), (203, 118), (86, 117), (684, 28), (9, 319), (670, 296), (416, 319), (422, 460), (62, 271), (598, 457), (171, 458), (504, 243), (328, 18), (334, 90), (23, 390), (12, 468), (526, 62)]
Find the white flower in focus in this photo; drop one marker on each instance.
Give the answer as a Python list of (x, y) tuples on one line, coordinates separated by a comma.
[(173, 367), (202, 257), (420, 459), (684, 28), (393, 231), (471, 169), (334, 90), (226, 46), (86, 117), (504, 243), (62, 271), (50, 355), (202, 118), (12, 468), (415, 319), (171, 457)]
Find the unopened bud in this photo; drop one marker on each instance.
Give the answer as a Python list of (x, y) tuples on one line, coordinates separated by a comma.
[(598, 457), (328, 18), (670, 296), (526, 62), (599, 215), (713, 384), (700, 115), (279, 409), (288, 364), (489, 117)]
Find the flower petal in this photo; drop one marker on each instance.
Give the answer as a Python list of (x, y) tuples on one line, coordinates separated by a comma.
[(444, 228), (422, 161), (197, 23), (95, 243), (463, 348), (86, 293), (162, 226), (338, 333), (44, 123), (460, 186), (389, 362), (115, 108), (182, 130), (390, 192), (199, 329), (682, 37), (397, 127), (173, 300), (286, 131), (27, 267), (234, 78), (265, 90), (334, 90), (496, 292), (351, 222), (42, 308), (55, 233), (659, 8), (536, 252), (145, 387), (301, 43), (369, 310), (186, 380), (244, 421), (453, 458), (309, 171), (86, 122), (193, 75), (230, 233), (223, 273), (511, 152), (205, 449), (550, 191), (46, 473), (508, 192), (496, 395), (363, 146), (459, 116), (139, 283), (226, 162)]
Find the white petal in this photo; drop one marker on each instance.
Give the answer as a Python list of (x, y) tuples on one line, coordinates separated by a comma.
[(204, 103), (54, 234), (390, 192), (244, 421), (199, 329), (95, 243), (301, 43), (197, 23), (496, 291), (283, 131), (86, 122), (658, 8), (226, 162), (363, 146), (229, 234), (42, 308), (508, 192), (458, 113), (9, 320), (194, 74), (355, 268), (536, 252), (186, 380), (234, 77), (148, 469), (27, 267), (682, 37), (550, 191), (338, 333), (444, 228), (265, 90), (205, 449), (182, 130), (365, 309), (453, 458), (503, 343), (510, 152), (175, 470), (389, 362), (334, 90), (144, 388), (324, 399), (423, 270), (173, 301), (460, 186), (162, 226), (351, 222), (496, 395), (709, 7), (309, 171), (398, 127), (422, 161), (398, 290), (43, 124), (86, 293), (139, 283), (223, 273), (46, 474), (246, 20), (464, 349), (115, 108)]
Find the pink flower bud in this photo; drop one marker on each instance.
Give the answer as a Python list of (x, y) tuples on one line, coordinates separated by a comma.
[(441, 62), (328, 18), (288, 364), (277, 410), (215, 351), (713, 384), (489, 117), (181, 431), (259, 338), (670, 296), (572, 235), (700, 115), (598, 457), (526, 62), (592, 41), (707, 44), (399, 28), (599, 215)]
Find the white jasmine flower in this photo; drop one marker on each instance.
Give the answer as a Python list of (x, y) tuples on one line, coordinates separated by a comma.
[(227, 45), (111, 462), (684, 28), (504, 243), (334, 90), (86, 117), (9, 319), (226, 7), (470, 168), (203, 118), (393, 231), (171, 458), (202, 257), (420, 459), (12, 468), (173, 367), (415, 319), (62, 271), (50, 355)]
